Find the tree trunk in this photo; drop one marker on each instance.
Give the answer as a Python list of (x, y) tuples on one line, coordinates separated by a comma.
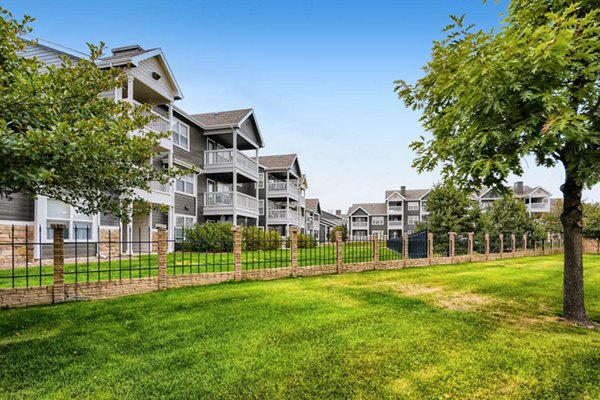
[(572, 220)]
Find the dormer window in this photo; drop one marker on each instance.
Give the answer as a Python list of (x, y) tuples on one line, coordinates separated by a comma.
[(181, 135)]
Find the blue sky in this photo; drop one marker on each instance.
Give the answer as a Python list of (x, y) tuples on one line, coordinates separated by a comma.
[(319, 74)]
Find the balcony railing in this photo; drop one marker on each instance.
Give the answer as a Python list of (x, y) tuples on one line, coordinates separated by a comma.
[(282, 215), (224, 200), (160, 187), (282, 188), (360, 224), (542, 206), (395, 224), (395, 209), (224, 160)]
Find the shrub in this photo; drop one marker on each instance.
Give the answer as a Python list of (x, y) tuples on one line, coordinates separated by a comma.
[(341, 228), (306, 241), (209, 237), (254, 238)]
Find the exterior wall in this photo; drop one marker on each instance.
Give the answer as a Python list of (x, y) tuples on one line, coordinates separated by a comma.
[(18, 207), (108, 220), (382, 228), (405, 214), (159, 218), (45, 54), (182, 201)]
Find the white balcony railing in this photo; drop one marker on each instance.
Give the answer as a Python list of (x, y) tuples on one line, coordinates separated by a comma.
[(277, 214), (218, 199), (282, 215), (160, 187), (282, 188), (224, 201), (395, 209), (360, 224), (225, 160), (543, 206), (395, 224)]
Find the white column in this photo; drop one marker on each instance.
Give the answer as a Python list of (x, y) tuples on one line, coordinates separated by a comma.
[(258, 189), (130, 88), (235, 177), (287, 198)]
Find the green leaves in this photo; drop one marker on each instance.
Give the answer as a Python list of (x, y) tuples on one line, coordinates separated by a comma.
[(59, 137), (490, 98)]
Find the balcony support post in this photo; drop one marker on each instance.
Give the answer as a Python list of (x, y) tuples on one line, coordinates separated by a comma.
[(235, 222)]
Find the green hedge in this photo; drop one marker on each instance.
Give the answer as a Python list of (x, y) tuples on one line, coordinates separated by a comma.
[(209, 237), (254, 238)]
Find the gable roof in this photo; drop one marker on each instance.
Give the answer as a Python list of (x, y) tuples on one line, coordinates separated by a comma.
[(369, 208), (133, 55), (409, 194), (280, 161), (312, 204), (336, 219), (223, 118)]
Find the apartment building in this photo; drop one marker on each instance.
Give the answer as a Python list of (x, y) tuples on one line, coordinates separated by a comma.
[(313, 218), (281, 188), (222, 148), (404, 209), (328, 222)]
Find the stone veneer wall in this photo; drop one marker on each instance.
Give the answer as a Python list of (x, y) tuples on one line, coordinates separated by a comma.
[(23, 248)]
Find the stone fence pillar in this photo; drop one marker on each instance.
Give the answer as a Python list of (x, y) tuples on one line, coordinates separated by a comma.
[(487, 245), (470, 237), (237, 253), (405, 248), (339, 248), (294, 250), (58, 290), (162, 257)]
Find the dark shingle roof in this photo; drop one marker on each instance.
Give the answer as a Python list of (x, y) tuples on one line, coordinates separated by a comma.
[(311, 204), (233, 117), (278, 161), (409, 194), (336, 219), (370, 208)]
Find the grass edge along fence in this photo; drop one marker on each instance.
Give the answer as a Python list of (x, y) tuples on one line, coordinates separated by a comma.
[(183, 267)]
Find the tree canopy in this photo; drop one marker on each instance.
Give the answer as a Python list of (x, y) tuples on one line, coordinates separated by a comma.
[(531, 87), (59, 137), (451, 210)]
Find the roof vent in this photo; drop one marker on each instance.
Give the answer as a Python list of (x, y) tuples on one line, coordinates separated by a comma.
[(134, 49)]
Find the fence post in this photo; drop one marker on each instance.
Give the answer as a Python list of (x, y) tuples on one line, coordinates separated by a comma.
[(524, 245), (501, 237), (513, 244), (470, 237), (294, 249), (487, 246), (162, 257), (339, 259), (430, 247), (404, 248), (375, 239), (58, 289), (551, 245), (237, 253), (451, 245)]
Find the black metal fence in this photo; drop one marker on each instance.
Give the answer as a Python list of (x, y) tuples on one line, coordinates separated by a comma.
[(391, 249), (200, 256), (322, 252), (357, 251), (441, 245), (461, 244), (266, 254), (23, 268)]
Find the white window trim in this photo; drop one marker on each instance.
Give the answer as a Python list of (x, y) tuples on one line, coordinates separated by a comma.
[(417, 208), (184, 216), (261, 183), (415, 218), (176, 121), (69, 224), (378, 218), (194, 183), (261, 201)]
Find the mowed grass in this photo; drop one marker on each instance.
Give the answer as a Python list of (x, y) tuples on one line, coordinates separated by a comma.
[(185, 262), (472, 331)]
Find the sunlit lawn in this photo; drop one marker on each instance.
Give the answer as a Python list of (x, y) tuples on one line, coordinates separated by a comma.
[(481, 330)]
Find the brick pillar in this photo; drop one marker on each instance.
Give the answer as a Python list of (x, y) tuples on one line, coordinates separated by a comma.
[(470, 237), (513, 244), (452, 236), (58, 290), (524, 245), (237, 253), (162, 257), (405, 248), (375, 239), (501, 245), (551, 245), (487, 246), (430, 247), (339, 247), (294, 249)]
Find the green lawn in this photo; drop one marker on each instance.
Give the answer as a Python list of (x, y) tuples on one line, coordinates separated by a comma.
[(482, 330), (186, 262)]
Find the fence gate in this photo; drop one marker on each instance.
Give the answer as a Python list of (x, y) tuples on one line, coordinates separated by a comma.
[(417, 245)]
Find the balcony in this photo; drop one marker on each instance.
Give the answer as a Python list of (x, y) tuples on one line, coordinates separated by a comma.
[(395, 210), (221, 203), (159, 124), (228, 161), (360, 224), (160, 187), (543, 206), (282, 217), (395, 224), (282, 189)]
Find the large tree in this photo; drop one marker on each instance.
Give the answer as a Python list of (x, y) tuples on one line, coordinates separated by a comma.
[(531, 87), (60, 138), (508, 215), (451, 210)]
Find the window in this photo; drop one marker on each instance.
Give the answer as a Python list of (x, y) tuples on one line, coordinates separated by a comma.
[(181, 223), (261, 180), (77, 226), (181, 135), (413, 219), (186, 184), (413, 206), (377, 220), (261, 207), (379, 234)]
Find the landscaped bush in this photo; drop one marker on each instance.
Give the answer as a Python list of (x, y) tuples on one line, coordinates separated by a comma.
[(254, 238), (306, 241), (341, 228), (209, 237)]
